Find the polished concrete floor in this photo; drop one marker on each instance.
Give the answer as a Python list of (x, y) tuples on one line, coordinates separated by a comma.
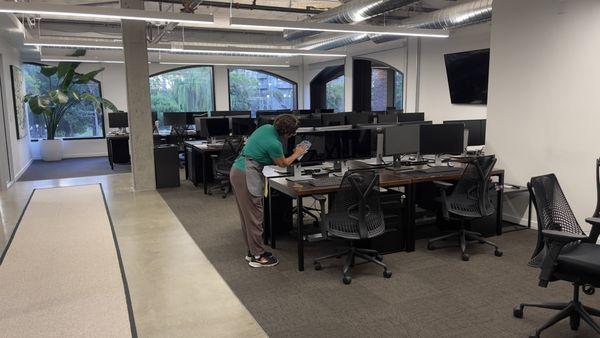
[(175, 290)]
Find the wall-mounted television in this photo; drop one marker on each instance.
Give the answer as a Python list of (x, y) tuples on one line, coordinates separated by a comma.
[(468, 74)]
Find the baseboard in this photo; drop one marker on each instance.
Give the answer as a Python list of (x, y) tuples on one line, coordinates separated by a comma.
[(20, 173), (86, 155), (520, 220)]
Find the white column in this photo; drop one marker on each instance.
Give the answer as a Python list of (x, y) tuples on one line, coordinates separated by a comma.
[(348, 78)]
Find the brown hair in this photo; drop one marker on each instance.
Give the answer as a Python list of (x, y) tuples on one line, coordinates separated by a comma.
[(286, 124)]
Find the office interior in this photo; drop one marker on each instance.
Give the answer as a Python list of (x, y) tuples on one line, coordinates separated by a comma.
[(472, 123)]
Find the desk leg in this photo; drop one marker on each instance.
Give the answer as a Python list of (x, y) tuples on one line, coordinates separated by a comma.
[(110, 154), (410, 228), (204, 173), (300, 223), (499, 205), (529, 212)]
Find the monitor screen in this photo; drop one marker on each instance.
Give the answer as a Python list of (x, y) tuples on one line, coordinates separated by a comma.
[(212, 126), (358, 118), (387, 118), (411, 117), (242, 126), (468, 74), (334, 145), (334, 119), (476, 130), (401, 140), (118, 120), (231, 113), (178, 119), (437, 139)]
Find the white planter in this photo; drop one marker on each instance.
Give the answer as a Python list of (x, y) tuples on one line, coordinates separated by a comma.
[(51, 150)]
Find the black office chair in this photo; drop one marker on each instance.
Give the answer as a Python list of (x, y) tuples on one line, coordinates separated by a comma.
[(354, 214), (469, 200), (222, 163), (563, 252)]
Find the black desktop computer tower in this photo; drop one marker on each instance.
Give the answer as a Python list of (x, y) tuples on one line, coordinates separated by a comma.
[(166, 165)]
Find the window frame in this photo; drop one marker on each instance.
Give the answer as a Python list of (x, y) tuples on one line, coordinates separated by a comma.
[(74, 138), (212, 75), (229, 69)]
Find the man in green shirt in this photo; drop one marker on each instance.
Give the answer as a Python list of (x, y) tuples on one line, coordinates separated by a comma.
[(263, 148)]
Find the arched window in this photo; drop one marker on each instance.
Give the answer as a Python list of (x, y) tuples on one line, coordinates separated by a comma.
[(259, 90), (387, 87), (187, 90), (334, 90), (82, 120)]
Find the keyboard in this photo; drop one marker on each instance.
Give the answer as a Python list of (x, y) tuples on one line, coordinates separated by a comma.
[(439, 170), (326, 181)]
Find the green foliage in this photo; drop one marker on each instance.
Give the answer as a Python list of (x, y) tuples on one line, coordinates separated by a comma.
[(335, 94), (55, 91), (255, 90)]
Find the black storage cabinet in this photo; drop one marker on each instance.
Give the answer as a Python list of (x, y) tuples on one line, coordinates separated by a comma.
[(166, 165)]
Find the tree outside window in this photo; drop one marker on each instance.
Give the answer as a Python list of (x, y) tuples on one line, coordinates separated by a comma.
[(80, 121), (182, 90), (257, 90), (334, 90)]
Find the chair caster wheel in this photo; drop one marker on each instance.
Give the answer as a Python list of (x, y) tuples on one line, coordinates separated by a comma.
[(430, 246), (498, 253), (518, 312), (465, 257), (318, 266), (387, 273), (379, 257), (588, 289), (347, 280)]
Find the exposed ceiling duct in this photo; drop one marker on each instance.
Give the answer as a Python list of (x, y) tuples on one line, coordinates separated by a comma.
[(465, 14), (350, 12)]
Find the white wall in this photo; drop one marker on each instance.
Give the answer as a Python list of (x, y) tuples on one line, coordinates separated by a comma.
[(433, 93), (543, 113), (20, 156)]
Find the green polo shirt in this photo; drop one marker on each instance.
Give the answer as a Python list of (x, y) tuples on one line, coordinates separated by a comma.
[(263, 146)]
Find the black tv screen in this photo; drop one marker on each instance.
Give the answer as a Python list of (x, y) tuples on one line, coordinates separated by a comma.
[(468, 74)]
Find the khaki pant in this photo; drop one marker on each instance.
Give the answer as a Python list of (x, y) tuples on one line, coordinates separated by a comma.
[(251, 212)]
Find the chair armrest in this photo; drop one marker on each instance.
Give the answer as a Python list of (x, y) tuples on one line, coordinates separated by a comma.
[(555, 241), (562, 237), (595, 222), (443, 185)]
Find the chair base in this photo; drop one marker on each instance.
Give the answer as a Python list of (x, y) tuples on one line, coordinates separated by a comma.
[(224, 187), (575, 310), (463, 236), (370, 256)]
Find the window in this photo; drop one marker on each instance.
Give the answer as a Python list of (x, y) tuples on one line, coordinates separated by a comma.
[(379, 82), (335, 94), (80, 121), (182, 90), (258, 90), (399, 90)]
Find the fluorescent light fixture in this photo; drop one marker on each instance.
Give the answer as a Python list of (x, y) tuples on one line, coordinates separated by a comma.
[(103, 13), (280, 25), (280, 52), (283, 52), (224, 64), (80, 60)]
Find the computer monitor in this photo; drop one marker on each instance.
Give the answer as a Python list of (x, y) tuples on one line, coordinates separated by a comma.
[(476, 130), (334, 145), (302, 112), (242, 126), (333, 119), (260, 113), (212, 126), (387, 118), (401, 140), (231, 113), (118, 120), (325, 111), (436, 139), (307, 121), (411, 117), (177, 120), (154, 117), (355, 118)]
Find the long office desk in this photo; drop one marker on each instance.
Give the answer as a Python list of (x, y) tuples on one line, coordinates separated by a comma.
[(198, 166), (387, 179)]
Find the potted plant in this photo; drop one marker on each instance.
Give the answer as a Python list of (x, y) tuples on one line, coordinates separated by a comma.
[(59, 98)]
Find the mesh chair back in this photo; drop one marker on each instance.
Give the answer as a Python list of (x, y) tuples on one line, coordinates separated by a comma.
[(355, 211), (225, 158), (553, 212), (471, 195)]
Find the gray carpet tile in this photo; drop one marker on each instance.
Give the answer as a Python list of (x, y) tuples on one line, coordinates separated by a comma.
[(431, 294), (72, 167)]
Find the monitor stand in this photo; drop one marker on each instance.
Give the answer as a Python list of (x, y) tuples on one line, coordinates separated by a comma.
[(397, 165), (297, 170)]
